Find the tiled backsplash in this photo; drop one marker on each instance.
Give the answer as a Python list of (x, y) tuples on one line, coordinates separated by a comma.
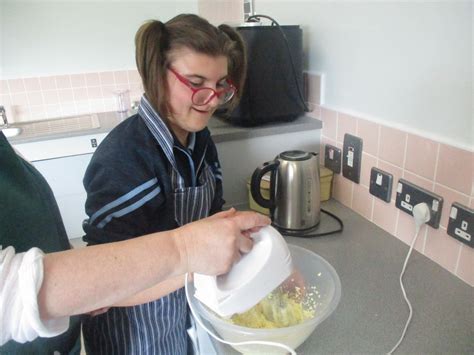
[(37, 98), (446, 170)]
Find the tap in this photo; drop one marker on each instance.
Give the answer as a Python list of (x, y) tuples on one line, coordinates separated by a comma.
[(3, 115)]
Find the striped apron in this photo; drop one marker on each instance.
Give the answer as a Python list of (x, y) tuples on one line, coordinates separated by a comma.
[(158, 327)]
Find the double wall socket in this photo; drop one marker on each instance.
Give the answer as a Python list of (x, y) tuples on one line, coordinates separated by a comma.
[(409, 195), (352, 157), (332, 158), (461, 223)]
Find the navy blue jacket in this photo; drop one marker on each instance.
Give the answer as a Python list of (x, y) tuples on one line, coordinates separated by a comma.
[(129, 185)]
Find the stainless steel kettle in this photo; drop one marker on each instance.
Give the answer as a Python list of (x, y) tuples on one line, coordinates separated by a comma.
[(294, 201)]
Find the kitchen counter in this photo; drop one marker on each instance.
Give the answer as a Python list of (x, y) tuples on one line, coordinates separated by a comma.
[(372, 312), (104, 122)]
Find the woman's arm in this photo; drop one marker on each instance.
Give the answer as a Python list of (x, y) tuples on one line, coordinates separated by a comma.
[(83, 280), (153, 293)]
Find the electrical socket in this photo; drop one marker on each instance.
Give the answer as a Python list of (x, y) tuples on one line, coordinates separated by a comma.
[(409, 195), (352, 157), (332, 158), (381, 184), (461, 223)]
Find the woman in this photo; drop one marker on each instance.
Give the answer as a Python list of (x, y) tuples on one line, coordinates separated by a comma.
[(159, 170), (38, 292)]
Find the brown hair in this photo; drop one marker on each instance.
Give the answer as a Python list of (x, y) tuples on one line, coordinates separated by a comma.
[(155, 42)]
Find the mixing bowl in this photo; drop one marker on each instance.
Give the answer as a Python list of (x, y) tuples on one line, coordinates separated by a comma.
[(323, 285)]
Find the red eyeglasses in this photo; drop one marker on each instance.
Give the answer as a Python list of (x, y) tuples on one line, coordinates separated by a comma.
[(202, 96)]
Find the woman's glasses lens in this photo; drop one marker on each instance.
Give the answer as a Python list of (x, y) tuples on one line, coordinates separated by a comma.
[(204, 95)]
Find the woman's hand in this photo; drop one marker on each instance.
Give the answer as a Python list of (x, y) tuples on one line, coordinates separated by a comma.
[(212, 245)]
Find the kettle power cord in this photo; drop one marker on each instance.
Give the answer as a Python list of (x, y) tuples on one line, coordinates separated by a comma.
[(253, 342), (421, 214)]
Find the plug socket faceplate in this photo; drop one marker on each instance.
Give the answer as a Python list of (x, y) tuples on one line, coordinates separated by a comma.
[(409, 195), (461, 223)]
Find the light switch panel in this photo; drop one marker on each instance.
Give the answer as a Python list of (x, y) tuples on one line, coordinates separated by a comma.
[(351, 157), (381, 184), (332, 158)]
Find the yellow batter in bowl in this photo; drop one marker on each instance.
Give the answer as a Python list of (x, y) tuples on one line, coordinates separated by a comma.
[(277, 310)]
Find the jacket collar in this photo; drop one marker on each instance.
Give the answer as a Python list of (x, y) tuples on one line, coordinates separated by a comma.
[(164, 136)]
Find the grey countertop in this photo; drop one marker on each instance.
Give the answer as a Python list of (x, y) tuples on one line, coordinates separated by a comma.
[(97, 123), (372, 312)]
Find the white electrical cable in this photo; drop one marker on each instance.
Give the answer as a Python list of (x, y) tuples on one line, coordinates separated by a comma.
[(198, 319), (421, 213)]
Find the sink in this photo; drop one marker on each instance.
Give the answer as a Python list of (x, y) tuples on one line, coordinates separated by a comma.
[(11, 131)]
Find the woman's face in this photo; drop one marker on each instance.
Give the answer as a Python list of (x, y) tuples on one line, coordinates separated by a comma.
[(201, 71)]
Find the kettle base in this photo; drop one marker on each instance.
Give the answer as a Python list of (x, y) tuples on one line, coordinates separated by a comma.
[(296, 232)]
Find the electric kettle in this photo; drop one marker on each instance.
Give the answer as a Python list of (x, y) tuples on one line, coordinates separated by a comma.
[(294, 201)]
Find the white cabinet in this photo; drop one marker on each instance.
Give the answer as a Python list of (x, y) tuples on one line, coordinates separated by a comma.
[(64, 175), (63, 163)]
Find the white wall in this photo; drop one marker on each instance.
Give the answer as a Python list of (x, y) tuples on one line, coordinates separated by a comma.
[(406, 63), (73, 36)]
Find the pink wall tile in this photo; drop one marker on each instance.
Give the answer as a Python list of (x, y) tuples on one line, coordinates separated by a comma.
[(19, 99), (66, 95), (32, 84), (80, 94), (449, 196), (395, 171), (63, 82), (466, 265), (51, 97), (346, 124), (16, 85), (92, 79), (342, 190), (48, 83), (53, 110), (369, 132), (133, 76), (107, 78), (78, 80), (329, 119), (418, 180), (455, 168), (406, 231), (5, 101), (442, 249), (4, 88), (108, 91), (368, 162), (35, 98), (385, 215), (421, 156), (392, 145), (362, 201), (121, 77), (94, 92), (38, 112)]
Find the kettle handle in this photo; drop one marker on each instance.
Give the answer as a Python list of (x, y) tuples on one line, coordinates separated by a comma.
[(255, 183)]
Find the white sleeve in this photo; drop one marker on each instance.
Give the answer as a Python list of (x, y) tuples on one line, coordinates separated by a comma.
[(21, 276)]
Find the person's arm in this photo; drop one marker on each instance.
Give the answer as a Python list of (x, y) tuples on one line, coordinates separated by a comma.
[(153, 293), (83, 280)]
